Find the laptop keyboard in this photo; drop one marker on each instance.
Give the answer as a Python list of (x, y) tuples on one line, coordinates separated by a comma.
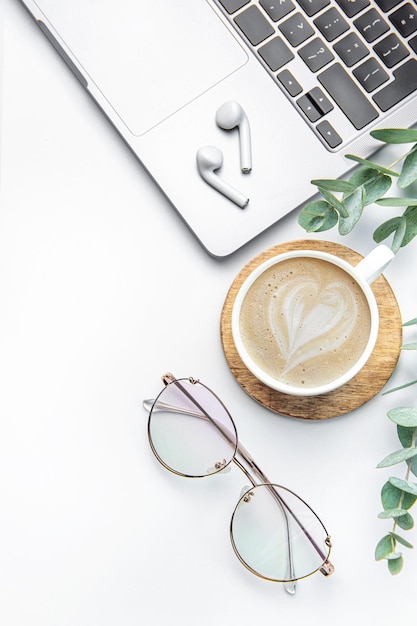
[(345, 60)]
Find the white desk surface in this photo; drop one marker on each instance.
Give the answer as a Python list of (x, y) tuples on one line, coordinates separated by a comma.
[(102, 289)]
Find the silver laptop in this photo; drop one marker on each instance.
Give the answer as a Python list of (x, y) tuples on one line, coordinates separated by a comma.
[(307, 78)]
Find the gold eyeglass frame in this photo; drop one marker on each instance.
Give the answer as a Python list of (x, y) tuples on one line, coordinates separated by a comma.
[(251, 470)]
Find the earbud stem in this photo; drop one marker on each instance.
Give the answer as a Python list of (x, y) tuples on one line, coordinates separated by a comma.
[(227, 190), (245, 147)]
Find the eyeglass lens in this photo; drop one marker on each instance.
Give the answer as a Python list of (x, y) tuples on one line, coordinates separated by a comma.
[(276, 535), (190, 430)]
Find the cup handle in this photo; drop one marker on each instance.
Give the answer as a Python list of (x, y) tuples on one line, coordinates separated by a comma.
[(375, 262)]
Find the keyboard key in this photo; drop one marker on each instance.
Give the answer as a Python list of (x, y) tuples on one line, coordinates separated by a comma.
[(277, 10), (233, 5), (340, 86), (371, 75), (315, 104), (371, 25), (387, 5), (351, 8), (316, 55), (391, 50), (276, 53), (329, 134), (404, 84), (311, 7), (351, 49), (405, 20), (296, 29), (288, 81), (254, 25), (321, 101), (309, 108), (413, 44), (331, 24)]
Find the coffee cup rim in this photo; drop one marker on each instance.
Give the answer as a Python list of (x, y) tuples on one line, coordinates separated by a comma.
[(272, 382)]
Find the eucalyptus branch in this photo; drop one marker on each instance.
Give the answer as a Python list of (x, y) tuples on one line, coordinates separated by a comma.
[(342, 205), (399, 495), (368, 185)]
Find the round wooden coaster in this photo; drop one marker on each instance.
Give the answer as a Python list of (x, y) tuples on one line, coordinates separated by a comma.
[(357, 391)]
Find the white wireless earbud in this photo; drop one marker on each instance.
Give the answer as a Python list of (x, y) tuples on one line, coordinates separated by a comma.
[(230, 115), (210, 159)]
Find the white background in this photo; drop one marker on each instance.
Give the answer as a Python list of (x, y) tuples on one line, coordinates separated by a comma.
[(103, 289)]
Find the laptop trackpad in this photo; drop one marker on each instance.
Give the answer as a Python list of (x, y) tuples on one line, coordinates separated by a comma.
[(149, 58)]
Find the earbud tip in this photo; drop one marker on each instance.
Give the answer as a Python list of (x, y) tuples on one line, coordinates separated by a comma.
[(229, 115), (209, 157)]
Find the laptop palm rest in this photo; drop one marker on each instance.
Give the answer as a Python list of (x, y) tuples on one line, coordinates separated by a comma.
[(146, 63)]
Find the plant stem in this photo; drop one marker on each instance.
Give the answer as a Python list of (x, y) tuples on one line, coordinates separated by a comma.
[(401, 158)]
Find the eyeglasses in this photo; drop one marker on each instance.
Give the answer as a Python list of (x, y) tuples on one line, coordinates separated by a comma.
[(274, 533)]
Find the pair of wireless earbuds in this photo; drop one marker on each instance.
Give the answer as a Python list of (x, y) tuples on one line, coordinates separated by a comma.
[(210, 159)]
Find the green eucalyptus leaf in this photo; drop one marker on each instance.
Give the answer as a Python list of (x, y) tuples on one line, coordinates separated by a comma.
[(393, 498), (395, 135), (376, 188), (318, 216), (394, 555), (334, 185), (369, 176), (399, 235), (398, 457), (386, 229), (390, 496), (406, 435), (405, 522), (404, 416), (392, 513), (409, 170), (411, 231), (371, 164), (354, 204), (412, 464), (334, 202), (362, 175), (409, 346), (395, 565), (374, 184), (397, 202), (404, 485), (412, 322), (396, 224), (401, 540), (384, 547)]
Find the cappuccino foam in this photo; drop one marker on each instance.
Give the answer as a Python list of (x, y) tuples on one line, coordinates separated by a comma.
[(305, 321)]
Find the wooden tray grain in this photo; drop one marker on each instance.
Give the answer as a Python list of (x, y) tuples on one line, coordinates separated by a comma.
[(364, 386)]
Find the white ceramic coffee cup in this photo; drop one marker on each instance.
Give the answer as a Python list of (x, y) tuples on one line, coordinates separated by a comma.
[(366, 271)]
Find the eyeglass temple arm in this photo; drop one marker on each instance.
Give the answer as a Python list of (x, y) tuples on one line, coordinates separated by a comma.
[(327, 567)]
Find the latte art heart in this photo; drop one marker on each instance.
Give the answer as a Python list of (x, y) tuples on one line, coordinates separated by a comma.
[(308, 321), (305, 322)]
